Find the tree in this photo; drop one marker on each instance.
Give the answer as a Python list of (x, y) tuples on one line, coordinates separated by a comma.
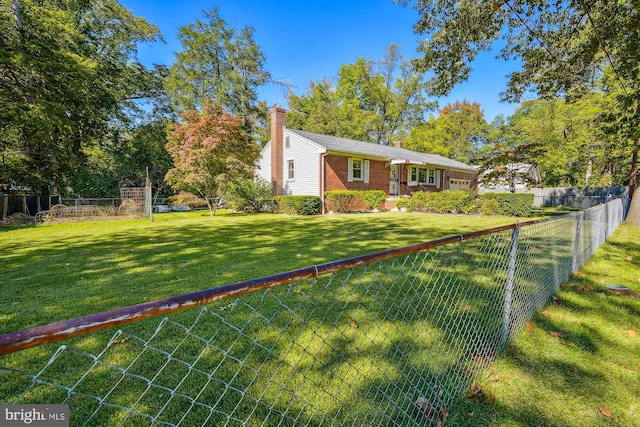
[(210, 150), (566, 49), (67, 68), (221, 64), (371, 101), (458, 132)]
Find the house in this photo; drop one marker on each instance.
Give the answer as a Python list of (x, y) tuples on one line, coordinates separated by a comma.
[(512, 177), (305, 163)]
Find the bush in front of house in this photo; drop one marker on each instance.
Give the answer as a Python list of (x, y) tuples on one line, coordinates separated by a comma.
[(250, 196), (401, 203), (297, 205), (442, 202), (372, 199), (510, 204), (186, 199), (342, 201)]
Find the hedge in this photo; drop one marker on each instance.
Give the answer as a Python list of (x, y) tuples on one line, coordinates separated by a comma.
[(510, 204), (372, 199), (343, 201), (298, 205), (442, 202)]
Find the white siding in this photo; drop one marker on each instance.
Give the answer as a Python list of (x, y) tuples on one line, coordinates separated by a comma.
[(306, 157), (264, 163)]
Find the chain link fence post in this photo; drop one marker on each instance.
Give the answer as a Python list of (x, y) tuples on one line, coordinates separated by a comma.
[(576, 243), (511, 274)]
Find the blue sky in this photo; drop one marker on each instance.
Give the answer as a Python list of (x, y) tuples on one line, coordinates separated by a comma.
[(306, 40)]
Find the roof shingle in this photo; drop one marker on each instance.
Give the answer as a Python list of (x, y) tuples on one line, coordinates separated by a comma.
[(351, 146)]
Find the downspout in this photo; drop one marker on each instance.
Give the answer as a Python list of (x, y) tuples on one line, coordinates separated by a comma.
[(322, 181)]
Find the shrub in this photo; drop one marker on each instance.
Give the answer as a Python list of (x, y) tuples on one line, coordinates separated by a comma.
[(509, 204), (442, 202), (401, 203), (186, 199), (372, 199), (342, 201), (297, 205), (250, 196)]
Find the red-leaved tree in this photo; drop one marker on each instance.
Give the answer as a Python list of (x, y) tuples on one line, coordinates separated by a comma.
[(210, 149)]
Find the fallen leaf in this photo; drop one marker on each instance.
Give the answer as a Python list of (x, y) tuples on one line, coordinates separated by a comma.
[(567, 343), (546, 314), (556, 334), (494, 378), (491, 371), (629, 258), (631, 332), (491, 398), (584, 288), (298, 255), (475, 391), (627, 368), (607, 413), (444, 414), (530, 327), (354, 324), (506, 378), (466, 308)]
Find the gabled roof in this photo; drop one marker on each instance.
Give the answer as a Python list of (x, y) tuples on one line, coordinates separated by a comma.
[(393, 154)]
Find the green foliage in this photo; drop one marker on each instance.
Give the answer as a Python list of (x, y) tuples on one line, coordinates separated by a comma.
[(442, 202), (67, 71), (210, 150), (567, 141), (221, 63), (342, 201), (372, 199), (371, 101), (509, 204), (298, 205), (457, 133), (186, 199), (250, 195), (402, 203)]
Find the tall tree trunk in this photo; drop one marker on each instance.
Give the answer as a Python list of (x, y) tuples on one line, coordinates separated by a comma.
[(633, 218), (589, 171)]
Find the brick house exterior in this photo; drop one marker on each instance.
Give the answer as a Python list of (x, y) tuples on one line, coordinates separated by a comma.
[(304, 163)]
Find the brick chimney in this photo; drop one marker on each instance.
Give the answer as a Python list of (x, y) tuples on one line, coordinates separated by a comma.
[(278, 122), (398, 144)]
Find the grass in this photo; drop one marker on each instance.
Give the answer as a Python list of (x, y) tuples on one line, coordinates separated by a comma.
[(76, 269), (560, 379), (577, 362)]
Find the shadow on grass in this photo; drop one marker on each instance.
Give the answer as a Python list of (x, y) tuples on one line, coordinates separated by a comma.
[(362, 346)]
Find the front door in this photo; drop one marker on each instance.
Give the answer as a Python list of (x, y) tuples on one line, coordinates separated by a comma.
[(394, 187)]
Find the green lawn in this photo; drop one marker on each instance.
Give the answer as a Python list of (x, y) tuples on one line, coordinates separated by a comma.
[(574, 358), (56, 272), (577, 363)]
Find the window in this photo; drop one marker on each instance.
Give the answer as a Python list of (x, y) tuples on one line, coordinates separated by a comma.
[(357, 170), (431, 177), (286, 142), (424, 176), (290, 169)]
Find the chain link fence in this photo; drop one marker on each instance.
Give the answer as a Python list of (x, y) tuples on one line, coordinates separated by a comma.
[(388, 339)]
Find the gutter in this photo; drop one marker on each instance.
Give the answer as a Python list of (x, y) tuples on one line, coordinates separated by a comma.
[(322, 179)]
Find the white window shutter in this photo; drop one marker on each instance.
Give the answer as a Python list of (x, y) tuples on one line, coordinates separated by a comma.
[(366, 171), (350, 170)]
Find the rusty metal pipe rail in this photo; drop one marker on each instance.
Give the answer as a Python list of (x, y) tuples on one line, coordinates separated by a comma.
[(45, 334)]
